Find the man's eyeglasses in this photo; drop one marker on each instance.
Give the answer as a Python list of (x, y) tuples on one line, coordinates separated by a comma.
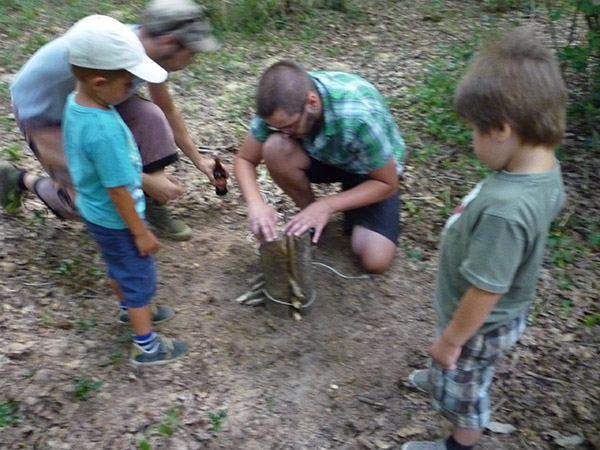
[(290, 129)]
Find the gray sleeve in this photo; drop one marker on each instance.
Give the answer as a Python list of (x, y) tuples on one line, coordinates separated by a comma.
[(495, 252)]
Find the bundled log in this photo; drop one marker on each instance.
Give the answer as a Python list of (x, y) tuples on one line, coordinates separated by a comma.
[(286, 284)]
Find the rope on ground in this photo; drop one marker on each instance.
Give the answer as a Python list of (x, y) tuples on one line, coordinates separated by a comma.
[(364, 276)]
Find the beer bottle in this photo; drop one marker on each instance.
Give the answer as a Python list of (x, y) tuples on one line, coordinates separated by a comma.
[(220, 178)]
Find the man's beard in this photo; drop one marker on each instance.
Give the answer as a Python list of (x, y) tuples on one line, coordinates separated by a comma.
[(311, 125)]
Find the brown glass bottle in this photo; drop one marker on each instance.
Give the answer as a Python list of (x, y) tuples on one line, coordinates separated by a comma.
[(220, 178)]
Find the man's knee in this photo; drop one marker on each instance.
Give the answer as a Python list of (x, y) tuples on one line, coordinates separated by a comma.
[(151, 132), (377, 263), (375, 251), (282, 153)]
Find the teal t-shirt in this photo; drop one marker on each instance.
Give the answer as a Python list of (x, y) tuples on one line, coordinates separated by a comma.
[(101, 153), (358, 134), (495, 241)]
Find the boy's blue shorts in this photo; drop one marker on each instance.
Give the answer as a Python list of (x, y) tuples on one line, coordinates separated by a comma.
[(135, 274), (461, 395), (382, 217)]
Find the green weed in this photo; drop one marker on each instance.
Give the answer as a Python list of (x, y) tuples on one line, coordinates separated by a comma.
[(94, 271), (433, 10), (117, 356), (125, 338), (562, 248), (270, 401), (14, 202), (67, 266), (566, 306), (534, 312), (165, 428), (564, 284), (29, 373), (84, 387), (9, 413), (45, 320), (412, 253), (13, 152), (592, 320), (86, 325), (217, 419), (39, 217)]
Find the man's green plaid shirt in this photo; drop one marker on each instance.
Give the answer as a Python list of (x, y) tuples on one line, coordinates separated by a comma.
[(359, 132)]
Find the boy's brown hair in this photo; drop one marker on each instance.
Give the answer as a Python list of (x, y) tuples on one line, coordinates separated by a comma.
[(84, 73), (284, 85), (515, 80)]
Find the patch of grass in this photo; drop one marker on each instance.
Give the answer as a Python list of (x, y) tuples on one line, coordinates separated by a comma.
[(566, 306), (125, 338), (117, 356), (592, 320), (13, 152), (9, 413), (29, 373), (217, 419), (414, 211), (419, 156), (86, 325), (45, 320), (412, 253), (84, 387), (39, 217), (433, 10), (431, 98), (14, 202), (67, 267), (562, 248), (164, 428), (270, 402)]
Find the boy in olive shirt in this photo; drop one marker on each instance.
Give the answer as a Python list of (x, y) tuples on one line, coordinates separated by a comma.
[(513, 96)]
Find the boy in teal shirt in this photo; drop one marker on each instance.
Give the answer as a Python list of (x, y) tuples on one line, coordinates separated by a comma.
[(105, 166), (514, 98)]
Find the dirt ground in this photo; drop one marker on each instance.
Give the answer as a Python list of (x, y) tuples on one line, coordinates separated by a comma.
[(253, 379)]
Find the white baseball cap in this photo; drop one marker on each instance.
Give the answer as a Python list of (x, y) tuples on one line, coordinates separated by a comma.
[(101, 42)]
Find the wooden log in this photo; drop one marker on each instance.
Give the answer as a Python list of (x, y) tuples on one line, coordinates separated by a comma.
[(287, 269)]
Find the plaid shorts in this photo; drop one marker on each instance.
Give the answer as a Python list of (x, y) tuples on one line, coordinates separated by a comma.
[(461, 395)]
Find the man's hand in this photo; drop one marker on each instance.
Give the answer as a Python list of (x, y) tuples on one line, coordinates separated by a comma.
[(162, 187), (146, 243), (263, 221), (207, 167), (444, 353), (316, 215)]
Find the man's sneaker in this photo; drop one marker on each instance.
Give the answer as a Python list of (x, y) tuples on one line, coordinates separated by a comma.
[(159, 218), (160, 314), (168, 350), (420, 380), (10, 194), (425, 445)]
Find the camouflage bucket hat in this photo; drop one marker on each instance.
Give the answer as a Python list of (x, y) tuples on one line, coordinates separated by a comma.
[(182, 18)]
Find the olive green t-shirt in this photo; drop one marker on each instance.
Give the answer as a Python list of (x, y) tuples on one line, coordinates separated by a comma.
[(495, 241)]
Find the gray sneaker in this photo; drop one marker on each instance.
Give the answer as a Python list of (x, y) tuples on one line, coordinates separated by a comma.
[(168, 350), (160, 314), (10, 194), (420, 379), (160, 218), (425, 445)]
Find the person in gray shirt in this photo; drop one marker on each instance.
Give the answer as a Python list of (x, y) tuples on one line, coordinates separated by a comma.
[(172, 32)]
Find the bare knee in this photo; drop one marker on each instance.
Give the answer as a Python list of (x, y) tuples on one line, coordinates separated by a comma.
[(374, 251), (281, 154)]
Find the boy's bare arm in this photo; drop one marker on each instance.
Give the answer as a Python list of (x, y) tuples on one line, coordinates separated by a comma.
[(474, 308), (145, 241)]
